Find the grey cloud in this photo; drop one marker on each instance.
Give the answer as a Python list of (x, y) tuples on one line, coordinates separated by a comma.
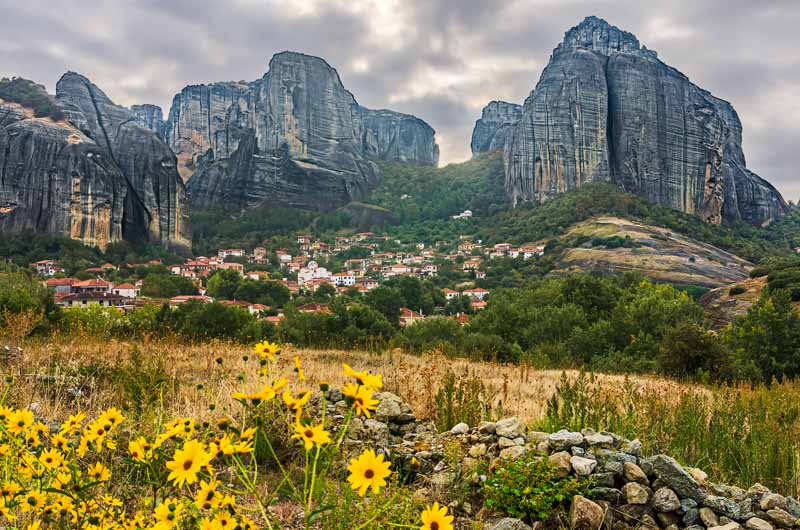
[(442, 63)]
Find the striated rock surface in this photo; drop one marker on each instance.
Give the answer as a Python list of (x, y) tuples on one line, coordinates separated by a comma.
[(496, 123), (606, 108), (296, 137), (155, 206), (150, 117), (55, 179)]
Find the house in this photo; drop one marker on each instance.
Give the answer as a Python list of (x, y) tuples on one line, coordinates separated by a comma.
[(409, 316), (477, 293), (96, 298), (366, 284), (47, 267), (502, 247), (449, 294), (259, 253), (467, 246), (480, 275), (275, 319), (471, 264), (312, 271), (61, 286), (430, 269), (466, 214), (184, 298), (127, 290), (343, 279), (314, 308), (258, 275), (477, 304), (304, 239), (283, 256), (238, 267), (92, 286), (531, 251), (234, 252)]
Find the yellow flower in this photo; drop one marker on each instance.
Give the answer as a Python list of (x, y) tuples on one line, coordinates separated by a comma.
[(5, 414), (267, 350), (9, 490), (51, 458), (73, 423), (368, 471), (32, 501), (207, 497), (361, 396), (5, 449), (112, 416), (168, 513), (436, 518), (224, 520), (19, 420), (207, 524), (140, 450), (373, 382), (59, 441), (99, 473), (187, 462), (296, 404), (301, 375), (312, 435)]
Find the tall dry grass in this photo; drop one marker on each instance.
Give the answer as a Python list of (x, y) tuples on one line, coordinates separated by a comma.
[(737, 434)]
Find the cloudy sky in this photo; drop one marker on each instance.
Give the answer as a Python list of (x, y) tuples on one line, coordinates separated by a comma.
[(441, 60)]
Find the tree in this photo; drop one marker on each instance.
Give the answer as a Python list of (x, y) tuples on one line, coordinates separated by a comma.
[(222, 284), (386, 300), (766, 340), (325, 293)]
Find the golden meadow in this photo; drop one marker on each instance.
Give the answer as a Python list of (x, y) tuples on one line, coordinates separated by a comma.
[(164, 434)]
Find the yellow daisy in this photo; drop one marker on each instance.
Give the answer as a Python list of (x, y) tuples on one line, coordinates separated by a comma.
[(436, 518), (267, 350), (312, 435), (368, 471), (187, 463)]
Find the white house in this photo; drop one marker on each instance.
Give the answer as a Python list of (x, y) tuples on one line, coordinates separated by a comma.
[(127, 290), (477, 293), (344, 279)]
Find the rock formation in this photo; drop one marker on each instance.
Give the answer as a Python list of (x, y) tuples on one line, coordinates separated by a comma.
[(97, 176), (494, 127), (606, 108), (296, 137), (150, 117)]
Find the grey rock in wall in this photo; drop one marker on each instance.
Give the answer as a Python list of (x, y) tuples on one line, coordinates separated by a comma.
[(496, 123), (150, 117), (606, 108), (296, 137), (155, 207), (55, 179)]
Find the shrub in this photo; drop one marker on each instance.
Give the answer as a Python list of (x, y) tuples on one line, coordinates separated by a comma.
[(530, 488), (736, 289), (464, 399), (29, 94)]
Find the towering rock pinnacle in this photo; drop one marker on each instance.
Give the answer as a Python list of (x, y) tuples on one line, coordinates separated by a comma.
[(295, 137), (606, 108), (95, 175), (493, 128), (155, 206)]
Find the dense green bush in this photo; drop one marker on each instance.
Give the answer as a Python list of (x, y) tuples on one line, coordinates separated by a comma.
[(29, 94), (530, 488)]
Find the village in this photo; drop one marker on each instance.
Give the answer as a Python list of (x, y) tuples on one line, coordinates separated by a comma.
[(349, 265)]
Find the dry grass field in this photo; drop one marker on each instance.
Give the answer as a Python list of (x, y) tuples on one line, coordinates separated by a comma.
[(50, 371)]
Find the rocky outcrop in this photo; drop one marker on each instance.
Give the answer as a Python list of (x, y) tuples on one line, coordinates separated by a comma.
[(296, 137), (96, 176), (496, 123), (606, 108), (155, 206), (150, 117), (627, 489), (55, 179)]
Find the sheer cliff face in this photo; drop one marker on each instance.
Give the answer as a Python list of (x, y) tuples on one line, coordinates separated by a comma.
[(97, 176), (155, 205), (606, 108), (55, 179), (295, 137), (494, 127), (150, 117)]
